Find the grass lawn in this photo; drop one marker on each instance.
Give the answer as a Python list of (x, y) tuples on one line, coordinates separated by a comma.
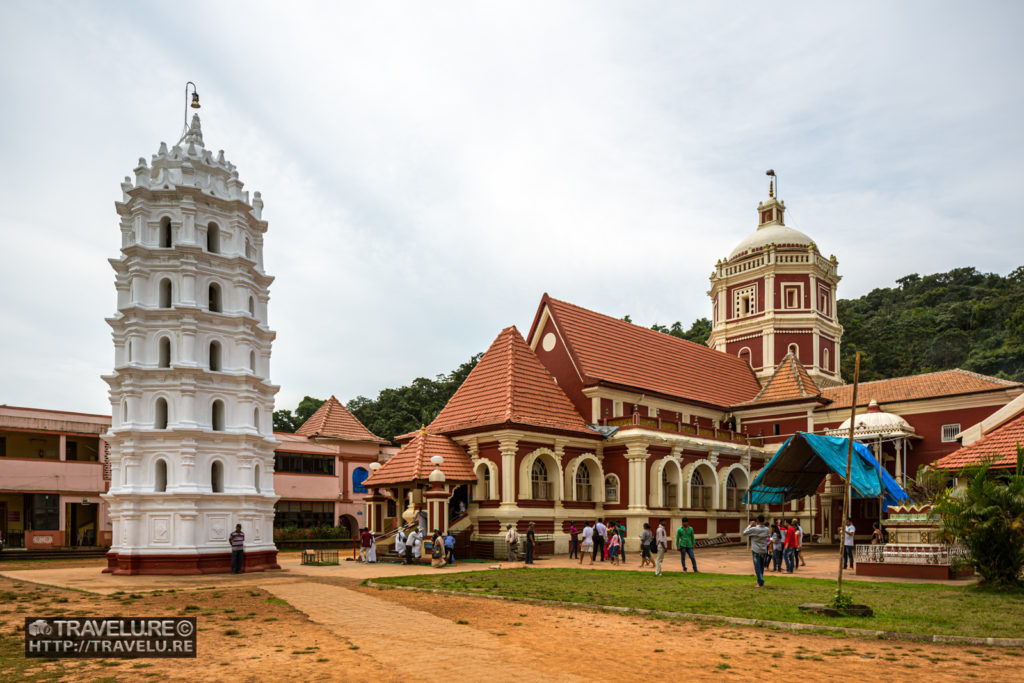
[(903, 607)]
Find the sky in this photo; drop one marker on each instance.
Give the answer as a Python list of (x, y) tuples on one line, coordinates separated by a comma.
[(429, 170)]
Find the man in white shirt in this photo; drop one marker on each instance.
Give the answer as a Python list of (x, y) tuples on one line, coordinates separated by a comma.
[(511, 541), (600, 536), (588, 542), (848, 531), (661, 539)]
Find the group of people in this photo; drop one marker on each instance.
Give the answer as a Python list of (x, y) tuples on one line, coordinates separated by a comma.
[(367, 546), (785, 540), (409, 547), (608, 542)]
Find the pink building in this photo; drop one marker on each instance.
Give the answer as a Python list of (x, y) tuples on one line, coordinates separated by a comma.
[(54, 467), (52, 472)]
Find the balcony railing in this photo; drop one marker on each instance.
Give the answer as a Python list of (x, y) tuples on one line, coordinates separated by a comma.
[(676, 427)]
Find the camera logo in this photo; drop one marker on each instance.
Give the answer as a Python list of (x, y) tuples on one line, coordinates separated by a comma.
[(40, 627)]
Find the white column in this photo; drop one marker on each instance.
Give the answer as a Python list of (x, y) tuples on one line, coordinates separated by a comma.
[(508, 448), (636, 456)]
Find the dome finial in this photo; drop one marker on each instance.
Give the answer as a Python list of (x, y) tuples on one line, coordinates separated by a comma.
[(771, 183)]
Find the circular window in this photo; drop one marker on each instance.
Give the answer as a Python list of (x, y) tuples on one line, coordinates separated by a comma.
[(549, 341)]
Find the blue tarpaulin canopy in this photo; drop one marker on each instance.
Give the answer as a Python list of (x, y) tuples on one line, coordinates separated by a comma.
[(797, 469)]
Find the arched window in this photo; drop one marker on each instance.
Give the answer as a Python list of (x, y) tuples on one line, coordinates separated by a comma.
[(487, 483), (583, 482), (359, 475), (611, 489), (256, 418), (165, 232), (214, 298), (124, 411), (252, 361), (795, 350), (217, 477), (160, 414), (733, 492), (217, 416), (248, 249), (539, 479), (163, 353), (160, 483), (165, 293), (214, 356), (825, 365), (130, 350), (745, 355), (668, 489), (213, 238), (256, 478), (700, 495)]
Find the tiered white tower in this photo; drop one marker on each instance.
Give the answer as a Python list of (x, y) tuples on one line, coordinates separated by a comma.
[(191, 442)]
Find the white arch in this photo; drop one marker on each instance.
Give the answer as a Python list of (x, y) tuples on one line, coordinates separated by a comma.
[(750, 355), (710, 476), (656, 492), (554, 473), (618, 488), (596, 477), (160, 476), (723, 478), (479, 464), (214, 462)]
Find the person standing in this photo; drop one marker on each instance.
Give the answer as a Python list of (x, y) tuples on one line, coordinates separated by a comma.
[(661, 543), (876, 534), (237, 541), (646, 539), (449, 548), (574, 540), (410, 541), (848, 531), (531, 543), (437, 550), (600, 536), (621, 527), (511, 541), (776, 539), (788, 545), (416, 540), (614, 543), (364, 545), (684, 541), (400, 542), (587, 548), (798, 541), (758, 534)]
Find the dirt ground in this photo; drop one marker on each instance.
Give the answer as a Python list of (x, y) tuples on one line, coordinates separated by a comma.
[(327, 627)]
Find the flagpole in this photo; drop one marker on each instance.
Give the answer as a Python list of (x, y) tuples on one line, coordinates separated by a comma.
[(849, 464)]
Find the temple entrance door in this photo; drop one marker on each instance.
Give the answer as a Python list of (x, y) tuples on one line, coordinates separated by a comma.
[(79, 524)]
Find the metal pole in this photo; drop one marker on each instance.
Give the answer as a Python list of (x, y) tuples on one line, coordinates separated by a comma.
[(849, 463)]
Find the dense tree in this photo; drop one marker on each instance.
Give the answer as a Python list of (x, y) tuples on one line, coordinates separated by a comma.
[(403, 409), (286, 421), (698, 333)]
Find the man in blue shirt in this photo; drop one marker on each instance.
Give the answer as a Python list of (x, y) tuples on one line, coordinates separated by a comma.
[(449, 548)]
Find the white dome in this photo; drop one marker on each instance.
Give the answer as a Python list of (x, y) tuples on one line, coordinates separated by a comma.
[(780, 235), (874, 420)]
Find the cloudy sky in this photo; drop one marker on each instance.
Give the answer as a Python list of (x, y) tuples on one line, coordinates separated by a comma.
[(430, 169)]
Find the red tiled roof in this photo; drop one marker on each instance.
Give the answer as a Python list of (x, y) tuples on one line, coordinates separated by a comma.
[(613, 351), (789, 382), (1000, 444), (412, 462), (509, 386), (293, 443), (929, 385), (334, 421)]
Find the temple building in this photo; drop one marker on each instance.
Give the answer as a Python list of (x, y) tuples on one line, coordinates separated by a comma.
[(589, 416)]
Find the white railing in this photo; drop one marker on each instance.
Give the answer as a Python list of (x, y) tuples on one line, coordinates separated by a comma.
[(913, 554)]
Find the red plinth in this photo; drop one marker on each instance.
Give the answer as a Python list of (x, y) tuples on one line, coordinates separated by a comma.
[(180, 565), (939, 572)]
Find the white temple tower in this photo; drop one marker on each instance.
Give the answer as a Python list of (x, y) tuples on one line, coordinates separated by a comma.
[(191, 442)]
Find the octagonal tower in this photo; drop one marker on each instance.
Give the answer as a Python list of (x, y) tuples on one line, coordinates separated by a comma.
[(191, 440), (776, 294)]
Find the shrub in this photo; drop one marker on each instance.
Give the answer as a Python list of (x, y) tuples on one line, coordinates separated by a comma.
[(988, 517)]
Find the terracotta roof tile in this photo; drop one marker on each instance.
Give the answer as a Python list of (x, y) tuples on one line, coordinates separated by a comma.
[(1000, 444), (789, 382), (334, 421), (509, 386), (412, 462), (913, 387), (610, 350), (293, 443)]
